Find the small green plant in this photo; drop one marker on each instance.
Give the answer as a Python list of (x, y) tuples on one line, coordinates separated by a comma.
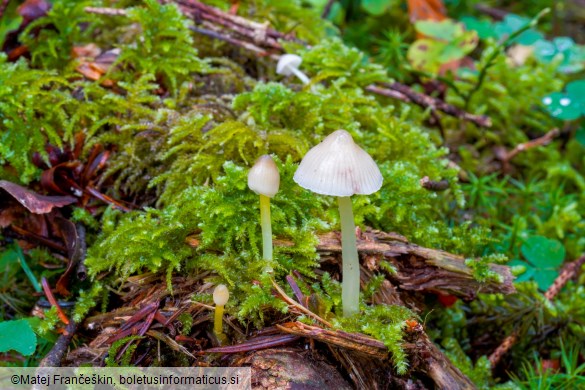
[(544, 257), (166, 47), (570, 376)]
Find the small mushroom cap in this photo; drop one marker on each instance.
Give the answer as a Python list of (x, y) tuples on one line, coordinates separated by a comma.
[(338, 167), (221, 295), (287, 61), (264, 178)]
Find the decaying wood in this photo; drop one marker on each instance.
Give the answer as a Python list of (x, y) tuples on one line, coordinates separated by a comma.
[(417, 268), (353, 341), (436, 365), (429, 359), (290, 368)]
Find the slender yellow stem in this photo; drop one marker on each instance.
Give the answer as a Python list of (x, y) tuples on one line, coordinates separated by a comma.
[(218, 320), (350, 285), (266, 228)]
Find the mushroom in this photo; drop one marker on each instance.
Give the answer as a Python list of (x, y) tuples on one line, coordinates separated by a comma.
[(289, 64), (221, 295), (339, 167), (264, 180)]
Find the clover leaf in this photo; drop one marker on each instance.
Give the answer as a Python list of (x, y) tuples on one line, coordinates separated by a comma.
[(569, 105), (544, 256), (512, 23), (571, 55)]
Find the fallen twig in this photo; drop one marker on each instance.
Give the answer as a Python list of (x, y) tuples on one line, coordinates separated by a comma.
[(540, 141), (407, 94), (106, 11), (53, 358), (255, 344), (569, 271), (295, 305), (433, 185)]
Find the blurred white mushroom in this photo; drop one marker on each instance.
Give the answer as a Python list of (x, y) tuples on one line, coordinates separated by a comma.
[(289, 64)]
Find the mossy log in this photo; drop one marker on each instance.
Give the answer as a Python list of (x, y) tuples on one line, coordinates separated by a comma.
[(417, 268)]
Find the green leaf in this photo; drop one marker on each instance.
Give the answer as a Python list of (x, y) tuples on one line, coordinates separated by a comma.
[(376, 7), (484, 28), (447, 42), (543, 252), (576, 90), (545, 278), (446, 30), (18, 336), (562, 106), (580, 135)]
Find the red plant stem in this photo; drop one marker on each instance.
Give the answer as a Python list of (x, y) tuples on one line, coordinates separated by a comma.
[(53, 301)]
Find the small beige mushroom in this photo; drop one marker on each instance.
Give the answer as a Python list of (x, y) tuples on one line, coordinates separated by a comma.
[(221, 295), (264, 180)]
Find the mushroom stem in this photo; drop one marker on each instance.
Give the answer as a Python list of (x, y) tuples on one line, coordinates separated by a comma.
[(218, 320), (266, 228), (350, 285), (303, 77)]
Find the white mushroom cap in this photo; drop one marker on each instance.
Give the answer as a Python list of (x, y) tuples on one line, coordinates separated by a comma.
[(286, 62), (338, 167), (264, 178), (221, 295)]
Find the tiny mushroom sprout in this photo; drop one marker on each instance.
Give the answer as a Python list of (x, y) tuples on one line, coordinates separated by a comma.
[(264, 180), (339, 167), (221, 295), (289, 64)]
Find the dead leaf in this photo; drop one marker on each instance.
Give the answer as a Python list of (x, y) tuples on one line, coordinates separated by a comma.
[(33, 9), (426, 10), (35, 203)]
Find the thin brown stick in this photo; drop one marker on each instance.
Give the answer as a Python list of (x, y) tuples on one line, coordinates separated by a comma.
[(106, 11), (55, 355), (426, 101), (540, 141), (569, 271), (327, 9), (299, 307)]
